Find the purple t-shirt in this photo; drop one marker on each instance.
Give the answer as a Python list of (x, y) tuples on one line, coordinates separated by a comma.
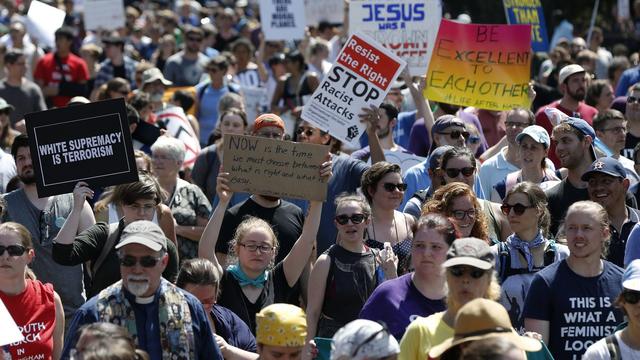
[(398, 302)]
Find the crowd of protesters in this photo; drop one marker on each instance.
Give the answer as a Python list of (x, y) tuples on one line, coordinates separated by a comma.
[(516, 236)]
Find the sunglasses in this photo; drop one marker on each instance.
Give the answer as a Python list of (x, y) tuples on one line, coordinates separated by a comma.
[(308, 132), (460, 214), (13, 250), (632, 99), (473, 140), (518, 208), (355, 219), (631, 297), (455, 134), (269, 135), (390, 187), (466, 171), (145, 261), (459, 271)]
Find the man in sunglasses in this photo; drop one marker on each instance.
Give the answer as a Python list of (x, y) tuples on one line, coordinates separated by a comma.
[(167, 321), (573, 82), (44, 218), (607, 185), (185, 68), (632, 114)]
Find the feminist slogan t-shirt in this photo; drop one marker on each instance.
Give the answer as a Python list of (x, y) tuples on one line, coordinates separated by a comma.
[(580, 309)]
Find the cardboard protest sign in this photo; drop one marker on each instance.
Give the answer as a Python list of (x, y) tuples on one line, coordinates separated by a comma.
[(103, 14), (10, 332), (529, 12), (360, 77), (485, 66), (408, 28), (90, 143), (325, 10), (43, 21), (274, 167), (282, 19)]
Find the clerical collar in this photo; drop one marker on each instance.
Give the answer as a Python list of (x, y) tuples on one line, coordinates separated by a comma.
[(144, 300)]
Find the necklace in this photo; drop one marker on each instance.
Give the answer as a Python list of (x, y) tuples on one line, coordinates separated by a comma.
[(395, 225)]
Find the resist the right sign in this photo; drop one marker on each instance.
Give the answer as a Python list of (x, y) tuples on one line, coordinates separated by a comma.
[(360, 77)]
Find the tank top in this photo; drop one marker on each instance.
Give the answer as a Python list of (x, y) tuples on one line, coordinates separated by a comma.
[(402, 249), (34, 312)]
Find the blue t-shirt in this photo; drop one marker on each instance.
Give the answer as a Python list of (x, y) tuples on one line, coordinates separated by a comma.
[(232, 329), (580, 310), (208, 109), (397, 303)]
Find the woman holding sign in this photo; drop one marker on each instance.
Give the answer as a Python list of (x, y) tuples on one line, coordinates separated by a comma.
[(253, 282), (35, 307)]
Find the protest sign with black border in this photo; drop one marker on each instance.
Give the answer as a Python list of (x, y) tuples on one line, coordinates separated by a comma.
[(89, 143)]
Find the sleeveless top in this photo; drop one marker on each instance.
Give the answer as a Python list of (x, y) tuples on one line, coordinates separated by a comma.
[(34, 312), (292, 98), (402, 249), (351, 279)]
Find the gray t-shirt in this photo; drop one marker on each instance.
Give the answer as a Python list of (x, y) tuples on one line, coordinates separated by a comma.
[(44, 226), (26, 98), (184, 72)]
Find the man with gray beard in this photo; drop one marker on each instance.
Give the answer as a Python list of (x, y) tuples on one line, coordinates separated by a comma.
[(164, 320)]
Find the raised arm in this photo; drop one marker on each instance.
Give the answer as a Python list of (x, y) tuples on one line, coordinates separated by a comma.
[(80, 218), (207, 245), (422, 104), (371, 117)]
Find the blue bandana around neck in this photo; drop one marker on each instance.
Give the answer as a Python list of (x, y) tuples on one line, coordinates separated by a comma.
[(245, 280), (526, 246)]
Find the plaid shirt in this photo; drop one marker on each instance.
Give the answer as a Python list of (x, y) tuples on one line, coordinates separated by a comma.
[(106, 72)]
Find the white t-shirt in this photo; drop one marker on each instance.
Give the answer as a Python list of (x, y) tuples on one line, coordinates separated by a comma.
[(599, 351)]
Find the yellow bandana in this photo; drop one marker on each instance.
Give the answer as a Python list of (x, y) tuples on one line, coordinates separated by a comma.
[(281, 325)]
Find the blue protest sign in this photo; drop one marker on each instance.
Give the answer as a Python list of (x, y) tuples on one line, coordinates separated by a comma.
[(529, 12)]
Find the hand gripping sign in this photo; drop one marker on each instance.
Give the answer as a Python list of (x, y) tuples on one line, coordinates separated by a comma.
[(361, 76)]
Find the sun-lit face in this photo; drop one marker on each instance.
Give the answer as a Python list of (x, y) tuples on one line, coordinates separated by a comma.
[(428, 251), (467, 283), (255, 261), (463, 214), (12, 266), (585, 234)]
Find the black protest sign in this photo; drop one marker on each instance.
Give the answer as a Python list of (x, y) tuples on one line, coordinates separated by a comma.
[(89, 143)]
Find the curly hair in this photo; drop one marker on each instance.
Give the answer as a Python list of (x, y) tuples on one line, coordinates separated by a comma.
[(442, 202), (248, 224), (374, 174), (538, 199)]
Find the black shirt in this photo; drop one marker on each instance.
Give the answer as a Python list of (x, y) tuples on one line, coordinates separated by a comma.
[(618, 242), (629, 145), (560, 197), (286, 220)]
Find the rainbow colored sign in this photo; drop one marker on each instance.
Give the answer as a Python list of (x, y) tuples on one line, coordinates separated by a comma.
[(485, 66)]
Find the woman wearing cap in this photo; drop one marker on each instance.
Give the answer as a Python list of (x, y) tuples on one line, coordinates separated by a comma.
[(421, 293), (328, 308), (527, 250), (533, 146), (35, 307), (383, 188), (202, 279), (253, 282), (458, 165), (280, 333), (625, 342), (470, 275), (189, 205), (139, 200), (364, 340)]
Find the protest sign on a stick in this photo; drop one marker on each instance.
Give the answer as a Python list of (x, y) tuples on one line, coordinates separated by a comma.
[(282, 19), (485, 66), (103, 14), (361, 76), (529, 12), (274, 167), (43, 21), (331, 11), (10, 332), (178, 126), (407, 28), (90, 143)]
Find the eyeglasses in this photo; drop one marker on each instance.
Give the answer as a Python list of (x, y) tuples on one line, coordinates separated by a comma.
[(270, 135), (631, 297), (519, 125), (459, 271), (460, 214), (466, 171), (370, 338), (13, 250), (198, 39), (145, 261), (617, 129), (391, 187), (254, 247), (455, 134), (145, 208), (473, 139), (355, 219), (632, 99), (518, 208), (308, 132)]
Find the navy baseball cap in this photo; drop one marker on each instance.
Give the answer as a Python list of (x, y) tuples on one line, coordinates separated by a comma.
[(444, 122), (581, 126), (605, 165), (436, 155)]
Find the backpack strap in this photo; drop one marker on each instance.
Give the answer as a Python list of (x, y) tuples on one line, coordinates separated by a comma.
[(114, 234), (511, 181), (421, 195), (505, 260), (201, 92), (550, 253), (613, 346)]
